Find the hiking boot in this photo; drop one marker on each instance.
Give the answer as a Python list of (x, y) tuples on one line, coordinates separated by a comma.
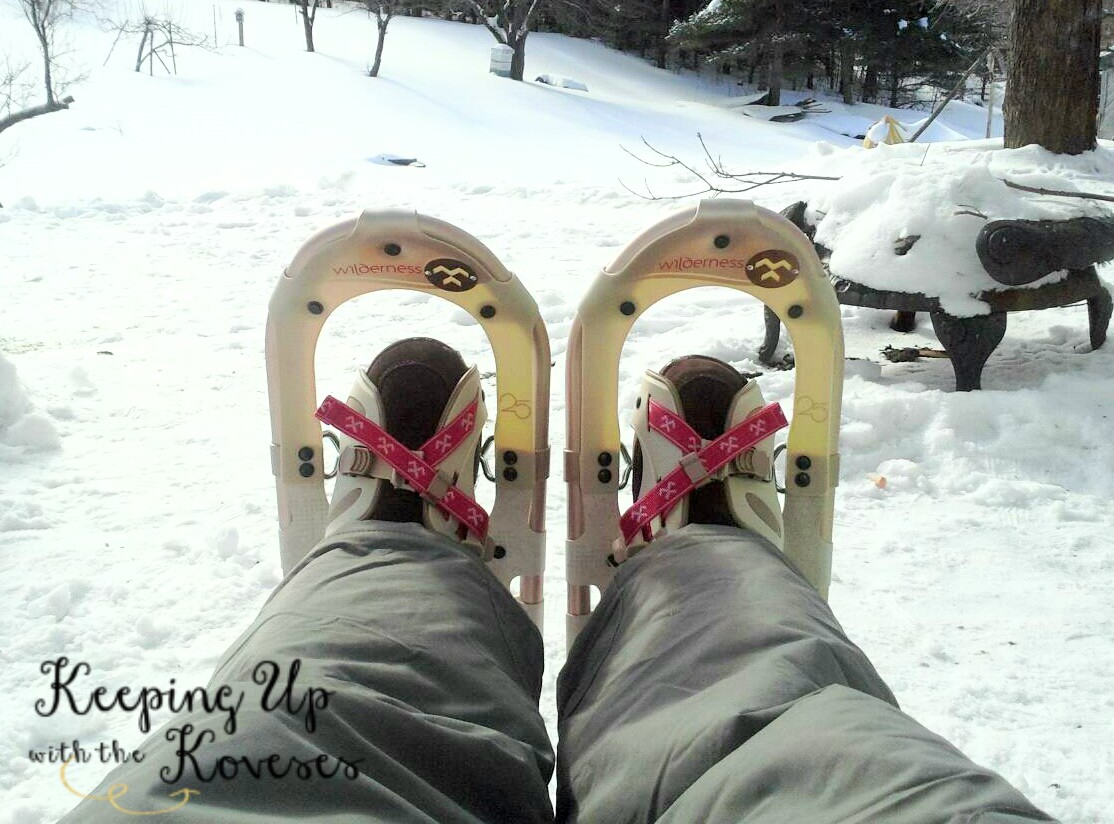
[(413, 389), (711, 397)]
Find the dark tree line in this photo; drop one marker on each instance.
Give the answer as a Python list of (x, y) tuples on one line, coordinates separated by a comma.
[(880, 51)]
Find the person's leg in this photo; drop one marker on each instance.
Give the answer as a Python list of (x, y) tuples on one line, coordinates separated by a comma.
[(713, 683), (433, 673)]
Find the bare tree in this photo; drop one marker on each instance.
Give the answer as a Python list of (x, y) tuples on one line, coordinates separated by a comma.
[(1052, 85), (509, 22), (383, 10), (160, 38), (45, 16), (308, 10)]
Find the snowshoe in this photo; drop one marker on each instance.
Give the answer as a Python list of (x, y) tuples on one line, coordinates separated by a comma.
[(400, 250), (738, 245)]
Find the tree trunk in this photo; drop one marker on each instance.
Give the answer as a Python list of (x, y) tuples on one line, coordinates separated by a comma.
[(895, 85), (870, 84), (379, 47), (847, 72), (34, 111), (518, 59), (1052, 84), (48, 79), (777, 66), (142, 43), (662, 46), (307, 24), (777, 55)]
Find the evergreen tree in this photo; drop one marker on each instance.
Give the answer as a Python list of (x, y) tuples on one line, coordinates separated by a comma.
[(763, 32)]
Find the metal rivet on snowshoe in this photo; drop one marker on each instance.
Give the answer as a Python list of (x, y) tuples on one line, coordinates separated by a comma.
[(500, 552), (804, 462), (305, 470), (604, 459), (487, 311), (305, 453), (626, 307), (803, 479), (510, 457), (315, 307), (722, 241), (393, 249), (795, 311), (510, 473), (604, 476)]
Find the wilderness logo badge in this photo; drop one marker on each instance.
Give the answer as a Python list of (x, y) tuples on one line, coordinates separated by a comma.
[(450, 275), (772, 269)]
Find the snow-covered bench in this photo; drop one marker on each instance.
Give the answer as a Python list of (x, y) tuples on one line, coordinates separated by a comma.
[(949, 232), (1073, 245)]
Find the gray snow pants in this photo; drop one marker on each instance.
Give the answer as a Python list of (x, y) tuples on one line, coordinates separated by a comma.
[(712, 685)]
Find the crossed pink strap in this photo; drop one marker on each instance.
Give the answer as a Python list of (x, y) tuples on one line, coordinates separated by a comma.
[(419, 468), (697, 463)]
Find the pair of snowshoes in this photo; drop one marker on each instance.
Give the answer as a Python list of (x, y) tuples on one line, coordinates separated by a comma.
[(681, 448)]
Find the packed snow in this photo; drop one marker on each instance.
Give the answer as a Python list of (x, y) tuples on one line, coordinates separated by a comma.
[(143, 233)]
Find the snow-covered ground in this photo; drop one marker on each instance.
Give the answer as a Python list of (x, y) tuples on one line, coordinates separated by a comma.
[(144, 231)]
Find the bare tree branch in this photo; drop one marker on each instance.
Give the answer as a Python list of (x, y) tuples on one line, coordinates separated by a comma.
[(1057, 193), (34, 111), (740, 181)]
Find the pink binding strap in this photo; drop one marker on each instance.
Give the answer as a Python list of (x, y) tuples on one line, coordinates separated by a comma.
[(413, 466), (697, 463)]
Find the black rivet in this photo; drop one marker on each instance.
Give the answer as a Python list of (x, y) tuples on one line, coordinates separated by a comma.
[(722, 241), (315, 307), (604, 476), (500, 552), (604, 459), (305, 470), (393, 249), (638, 404), (305, 453), (626, 307), (510, 457), (803, 479), (795, 311), (487, 311), (804, 462), (510, 473)]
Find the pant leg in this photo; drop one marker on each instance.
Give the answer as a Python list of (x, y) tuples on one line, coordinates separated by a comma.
[(434, 676), (714, 684)]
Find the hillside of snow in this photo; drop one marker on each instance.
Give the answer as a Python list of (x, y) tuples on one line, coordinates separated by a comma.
[(143, 232)]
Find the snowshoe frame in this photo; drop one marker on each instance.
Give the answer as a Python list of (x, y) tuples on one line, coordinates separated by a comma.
[(739, 245), (404, 250)]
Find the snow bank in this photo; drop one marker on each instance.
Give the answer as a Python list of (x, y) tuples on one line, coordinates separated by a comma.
[(946, 193), (21, 428)]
